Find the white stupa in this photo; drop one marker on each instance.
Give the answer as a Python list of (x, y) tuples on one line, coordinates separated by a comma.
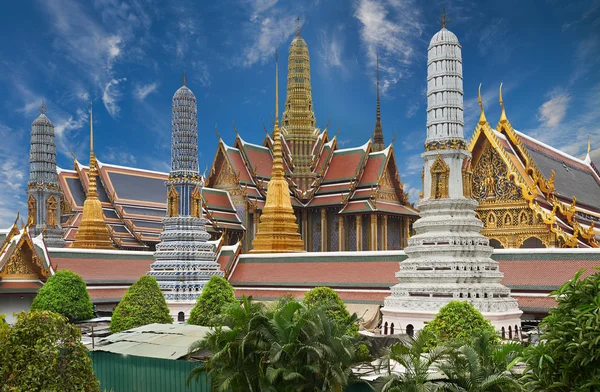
[(448, 258)]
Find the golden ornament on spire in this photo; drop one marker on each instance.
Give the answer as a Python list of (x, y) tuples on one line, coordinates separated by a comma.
[(277, 231), (43, 108), (92, 232), (589, 145), (482, 119), (298, 28), (503, 117), (443, 20)]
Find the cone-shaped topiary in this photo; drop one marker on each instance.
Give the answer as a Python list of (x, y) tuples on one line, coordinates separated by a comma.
[(142, 304), (458, 322), (65, 293), (215, 294)]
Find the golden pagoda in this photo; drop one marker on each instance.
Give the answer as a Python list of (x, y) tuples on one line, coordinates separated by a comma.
[(277, 231), (92, 232)]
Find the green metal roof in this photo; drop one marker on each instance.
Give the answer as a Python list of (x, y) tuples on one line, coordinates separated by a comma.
[(166, 341)]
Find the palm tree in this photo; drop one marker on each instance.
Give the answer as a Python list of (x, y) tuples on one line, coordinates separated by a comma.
[(481, 367), (419, 366)]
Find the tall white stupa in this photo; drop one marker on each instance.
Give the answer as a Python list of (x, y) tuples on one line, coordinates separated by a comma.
[(448, 258)]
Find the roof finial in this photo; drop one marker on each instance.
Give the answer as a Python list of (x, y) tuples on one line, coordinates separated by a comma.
[(91, 130), (298, 28), (43, 108), (482, 119), (503, 115), (184, 79), (377, 77), (217, 131), (443, 20), (277, 81), (589, 144)]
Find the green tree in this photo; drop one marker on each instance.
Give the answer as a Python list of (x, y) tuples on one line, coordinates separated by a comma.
[(418, 364), (457, 322), (336, 308), (142, 304), (482, 366), (567, 357), (43, 352), (65, 293), (217, 293)]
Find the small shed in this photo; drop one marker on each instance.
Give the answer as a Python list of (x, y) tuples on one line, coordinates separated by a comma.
[(151, 358)]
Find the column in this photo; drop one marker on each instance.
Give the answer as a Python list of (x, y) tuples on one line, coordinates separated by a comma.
[(406, 231), (323, 230), (341, 234), (373, 231), (305, 231), (384, 230), (359, 239)]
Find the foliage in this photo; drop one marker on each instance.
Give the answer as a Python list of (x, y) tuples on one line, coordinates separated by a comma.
[(336, 308), (458, 322), (215, 294), (418, 362), (481, 366), (142, 304), (288, 347), (44, 352), (65, 293), (567, 357)]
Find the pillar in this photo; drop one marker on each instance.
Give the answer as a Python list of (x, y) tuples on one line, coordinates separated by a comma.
[(384, 232), (405, 231), (323, 230), (341, 237), (359, 239), (305, 230), (373, 231)]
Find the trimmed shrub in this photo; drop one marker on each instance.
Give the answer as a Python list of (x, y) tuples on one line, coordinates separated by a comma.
[(142, 304), (217, 293), (336, 308), (43, 352), (65, 293), (458, 322)]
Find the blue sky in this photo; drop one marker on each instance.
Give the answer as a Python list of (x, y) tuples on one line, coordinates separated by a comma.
[(128, 57)]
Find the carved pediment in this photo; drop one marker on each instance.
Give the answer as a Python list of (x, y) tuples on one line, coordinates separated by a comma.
[(491, 179)]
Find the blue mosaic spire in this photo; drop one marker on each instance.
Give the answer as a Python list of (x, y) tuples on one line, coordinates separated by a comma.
[(185, 260), (43, 192)]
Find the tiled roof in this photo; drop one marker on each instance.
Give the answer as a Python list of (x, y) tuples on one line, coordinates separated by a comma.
[(106, 295), (16, 286), (535, 304)]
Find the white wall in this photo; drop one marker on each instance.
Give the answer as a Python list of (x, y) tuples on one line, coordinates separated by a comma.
[(16, 303)]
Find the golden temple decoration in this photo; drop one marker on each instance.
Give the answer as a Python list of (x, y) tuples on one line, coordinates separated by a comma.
[(93, 232), (482, 119), (51, 210), (31, 209), (503, 117), (277, 231), (439, 178), (490, 179), (173, 202), (196, 203), (446, 144), (467, 178)]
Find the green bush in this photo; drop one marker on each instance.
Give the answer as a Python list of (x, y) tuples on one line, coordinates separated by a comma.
[(43, 352), (216, 293), (336, 308), (65, 293), (567, 357), (457, 323), (142, 304)]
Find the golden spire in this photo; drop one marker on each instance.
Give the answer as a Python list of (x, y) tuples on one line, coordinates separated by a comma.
[(92, 232), (503, 115), (277, 231), (298, 28), (443, 19), (482, 119)]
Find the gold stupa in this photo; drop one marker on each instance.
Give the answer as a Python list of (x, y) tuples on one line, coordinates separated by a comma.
[(92, 232), (277, 231)]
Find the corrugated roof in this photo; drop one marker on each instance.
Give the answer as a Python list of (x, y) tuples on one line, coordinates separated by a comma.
[(166, 341)]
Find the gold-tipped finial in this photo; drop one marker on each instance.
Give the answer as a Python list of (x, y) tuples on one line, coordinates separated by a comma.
[(297, 28), (443, 20), (43, 108), (91, 132), (482, 119), (217, 131), (184, 79), (503, 115), (589, 145)]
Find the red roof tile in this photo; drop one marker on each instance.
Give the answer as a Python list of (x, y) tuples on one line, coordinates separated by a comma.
[(373, 170), (106, 295), (535, 303), (543, 273), (239, 167), (344, 165)]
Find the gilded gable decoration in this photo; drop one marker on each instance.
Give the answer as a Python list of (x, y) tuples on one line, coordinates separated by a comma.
[(31, 209), (196, 203), (490, 178), (439, 177), (172, 202), (51, 211)]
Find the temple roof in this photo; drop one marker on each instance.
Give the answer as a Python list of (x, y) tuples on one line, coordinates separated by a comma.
[(134, 203)]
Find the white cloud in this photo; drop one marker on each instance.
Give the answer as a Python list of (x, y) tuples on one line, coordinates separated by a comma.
[(143, 90), (13, 174), (111, 96), (260, 6), (267, 33), (330, 50), (392, 29), (118, 156), (553, 111), (492, 39)]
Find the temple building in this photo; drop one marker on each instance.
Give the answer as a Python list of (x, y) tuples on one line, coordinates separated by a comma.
[(349, 199), (532, 195), (448, 258)]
